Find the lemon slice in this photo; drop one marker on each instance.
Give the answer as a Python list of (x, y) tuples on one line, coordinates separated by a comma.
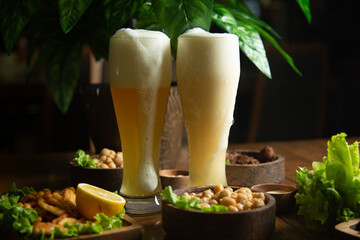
[(91, 200)]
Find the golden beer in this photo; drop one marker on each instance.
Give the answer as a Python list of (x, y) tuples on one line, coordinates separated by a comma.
[(208, 71), (140, 77)]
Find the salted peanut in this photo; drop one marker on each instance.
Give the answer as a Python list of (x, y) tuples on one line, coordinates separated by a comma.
[(118, 161), (108, 160), (234, 195), (208, 193), (103, 165), (213, 202), (186, 194), (259, 195), (230, 189), (199, 195), (227, 201), (105, 152), (248, 205), (218, 188), (240, 206), (103, 158), (119, 154), (225, 193), (204, 205), (242, 198), (257, 203), (112, 154), (233, 208), (112, 165), (192, 195), (216, 196), (205, 199), (244, 190)]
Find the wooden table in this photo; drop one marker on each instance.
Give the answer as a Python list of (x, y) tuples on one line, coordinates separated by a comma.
[(51, 170)]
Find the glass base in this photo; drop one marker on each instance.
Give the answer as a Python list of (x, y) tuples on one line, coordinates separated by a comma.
[(142, 205)]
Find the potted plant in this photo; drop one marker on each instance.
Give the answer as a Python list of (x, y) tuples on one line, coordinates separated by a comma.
[(60, 29)]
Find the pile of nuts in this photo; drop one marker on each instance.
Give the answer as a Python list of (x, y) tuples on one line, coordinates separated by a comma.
[(109, 159), (238, 200)]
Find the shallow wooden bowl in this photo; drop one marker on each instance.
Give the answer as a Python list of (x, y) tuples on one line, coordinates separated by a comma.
[(107, 178), (283, 194), (252, 224), (247, 175), (176, 178)]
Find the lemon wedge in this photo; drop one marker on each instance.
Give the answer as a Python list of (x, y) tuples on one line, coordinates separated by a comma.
[(91, 200)]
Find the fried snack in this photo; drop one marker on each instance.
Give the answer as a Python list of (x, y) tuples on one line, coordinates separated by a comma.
[(50, 208), (45, 226), (53, 208)]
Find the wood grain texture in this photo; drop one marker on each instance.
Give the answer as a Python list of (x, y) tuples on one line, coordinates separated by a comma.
[(52, 170)]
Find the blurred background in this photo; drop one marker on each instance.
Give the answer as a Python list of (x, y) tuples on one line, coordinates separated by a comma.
[(321, 103)]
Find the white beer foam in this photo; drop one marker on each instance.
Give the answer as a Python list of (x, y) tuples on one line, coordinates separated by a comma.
[(137, 60), (201, 33)]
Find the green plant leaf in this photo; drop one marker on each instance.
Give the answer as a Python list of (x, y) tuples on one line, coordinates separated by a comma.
[(251, 19), (177, 16), (62, 70), (117, 13), (305, 7), (14, 15), (70, 12), (146, 19), (249, 39)]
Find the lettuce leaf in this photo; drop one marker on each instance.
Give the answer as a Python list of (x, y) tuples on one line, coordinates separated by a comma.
[(184, 202), (331, 193), (84, 160)]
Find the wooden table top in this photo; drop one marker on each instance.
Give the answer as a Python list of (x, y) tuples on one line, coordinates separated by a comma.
[(51, 170)]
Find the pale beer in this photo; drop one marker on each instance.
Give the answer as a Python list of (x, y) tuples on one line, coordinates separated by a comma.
[(140, 77), (208, 71)]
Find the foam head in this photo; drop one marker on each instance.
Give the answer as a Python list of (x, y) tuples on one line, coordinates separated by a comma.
[(139, 58)]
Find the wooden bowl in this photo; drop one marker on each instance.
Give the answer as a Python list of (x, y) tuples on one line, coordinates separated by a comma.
[(176, 178), (252, 224), (107, 178), (283, 194), (247, 175)]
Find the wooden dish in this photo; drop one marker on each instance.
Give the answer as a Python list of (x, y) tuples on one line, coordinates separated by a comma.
[(130, 230), (176, 178), (348, 230), (107, 178), (247, 175), (252, 224), (283, 194)]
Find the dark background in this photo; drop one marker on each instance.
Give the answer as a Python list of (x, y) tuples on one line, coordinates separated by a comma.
[(321, 103)]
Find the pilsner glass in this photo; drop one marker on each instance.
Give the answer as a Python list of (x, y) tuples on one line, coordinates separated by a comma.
[(208, 72), (140, 77)]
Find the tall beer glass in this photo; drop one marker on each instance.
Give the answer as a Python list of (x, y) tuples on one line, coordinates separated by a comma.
[(140, 77), (208, 72)]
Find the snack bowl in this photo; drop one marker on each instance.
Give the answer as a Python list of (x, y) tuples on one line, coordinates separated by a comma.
[(251, 224), (248, 175), (283, 194), (107, 178), (176, 178)]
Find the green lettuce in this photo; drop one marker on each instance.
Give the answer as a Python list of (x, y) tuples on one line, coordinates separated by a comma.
[(331, 193), (184, 202), (21, 220), (84, 160)]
